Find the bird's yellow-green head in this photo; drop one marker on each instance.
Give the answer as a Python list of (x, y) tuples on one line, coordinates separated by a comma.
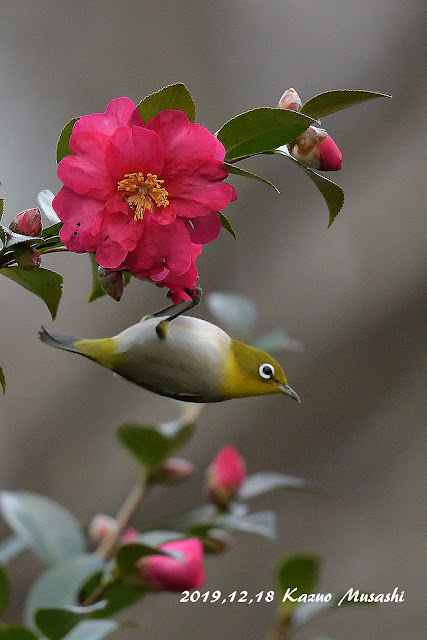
[(252, 372)]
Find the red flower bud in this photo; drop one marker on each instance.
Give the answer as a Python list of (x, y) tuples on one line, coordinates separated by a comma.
[(101, 526), (315, 149), (27, 257), (173, 470), (112, 282), (27, 223), (172, 574), (290, 100), (225, 475)]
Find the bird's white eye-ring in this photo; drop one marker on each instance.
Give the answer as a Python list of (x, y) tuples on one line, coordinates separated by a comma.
[(266, 371)]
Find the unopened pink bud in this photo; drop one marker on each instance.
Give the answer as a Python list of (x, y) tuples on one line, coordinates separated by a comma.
[(102, 526), (290, 100), (225, 475), (27, 223), (315, 149), (27, 257), (129, 536), (112, 282), (167, 573), (173, 470)]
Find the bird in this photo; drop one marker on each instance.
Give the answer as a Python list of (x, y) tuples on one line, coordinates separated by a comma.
[(192, 361)]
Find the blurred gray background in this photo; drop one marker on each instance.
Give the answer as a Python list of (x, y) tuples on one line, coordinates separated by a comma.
[(352, 293)]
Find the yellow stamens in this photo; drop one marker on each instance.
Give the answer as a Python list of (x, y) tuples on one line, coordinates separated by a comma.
[(142, 192)]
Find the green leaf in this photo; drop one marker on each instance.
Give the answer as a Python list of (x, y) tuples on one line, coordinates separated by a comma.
[(278, 340), (146, 443), (177, 432), (332, 193), (2, 380), (262, 523), (226, 224), (4, 589), (51, 231), (331, 101), (175, 96), (47, 528), (55, 623), (265, 481), (299, 571), (60, 585), (45, 284), (97, 290), (129, 554), (260, 130), (92, 630), (231, 168), (235, 312), (16, 632), (63, 146), (11, 548), (117, 595)]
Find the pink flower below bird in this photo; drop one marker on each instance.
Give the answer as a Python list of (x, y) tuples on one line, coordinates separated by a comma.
[(142, 196), (225, 475), (174, 574)]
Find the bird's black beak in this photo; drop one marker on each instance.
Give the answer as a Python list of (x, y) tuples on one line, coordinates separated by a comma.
[(286, 389)]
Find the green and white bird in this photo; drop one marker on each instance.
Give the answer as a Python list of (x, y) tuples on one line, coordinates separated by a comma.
[(195, 360)]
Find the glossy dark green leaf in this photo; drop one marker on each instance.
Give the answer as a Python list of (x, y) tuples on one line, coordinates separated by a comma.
[(117, 595), (47, 528), (2, 381), (60, 585), (92, 630), (55, 623), (4, 589), (231, 168), (177, 432), (51, 231), (332, 101), (45, 284), (175, 96), (16, 632), (299, 571), (63, 146), (226, 224), (145, 443), (332, 193), (265, 481), (260, 130)]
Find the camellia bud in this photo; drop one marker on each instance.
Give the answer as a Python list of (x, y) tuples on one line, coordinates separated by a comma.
[(27, 223), (172, 471), (27, 257), (166, 573), (225, 475), (101, 526), (315, 149), (129, 536), (217, 541), (290, 100), (112, 282)]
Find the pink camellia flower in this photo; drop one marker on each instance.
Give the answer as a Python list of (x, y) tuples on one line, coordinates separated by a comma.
[(172, 574), (27, 223), (225, 475), (140, 195), (315, 149)]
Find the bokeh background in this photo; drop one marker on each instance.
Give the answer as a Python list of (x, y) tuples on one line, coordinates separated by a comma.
[(352, 294)]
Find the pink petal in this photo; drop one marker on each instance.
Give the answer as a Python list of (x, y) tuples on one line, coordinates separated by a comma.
[(184, 141), (85, 178), (121, 234), (160, 247), (171, 574), (134, 149), (204, 229), (91, 145), (199, 191), (119, 112), (82, 218), (163, 215), (331, 155)]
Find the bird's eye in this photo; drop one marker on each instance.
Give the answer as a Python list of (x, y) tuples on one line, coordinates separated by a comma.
[(266, 371)]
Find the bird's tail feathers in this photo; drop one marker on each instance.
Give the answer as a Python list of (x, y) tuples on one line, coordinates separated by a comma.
[(58, 340)]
